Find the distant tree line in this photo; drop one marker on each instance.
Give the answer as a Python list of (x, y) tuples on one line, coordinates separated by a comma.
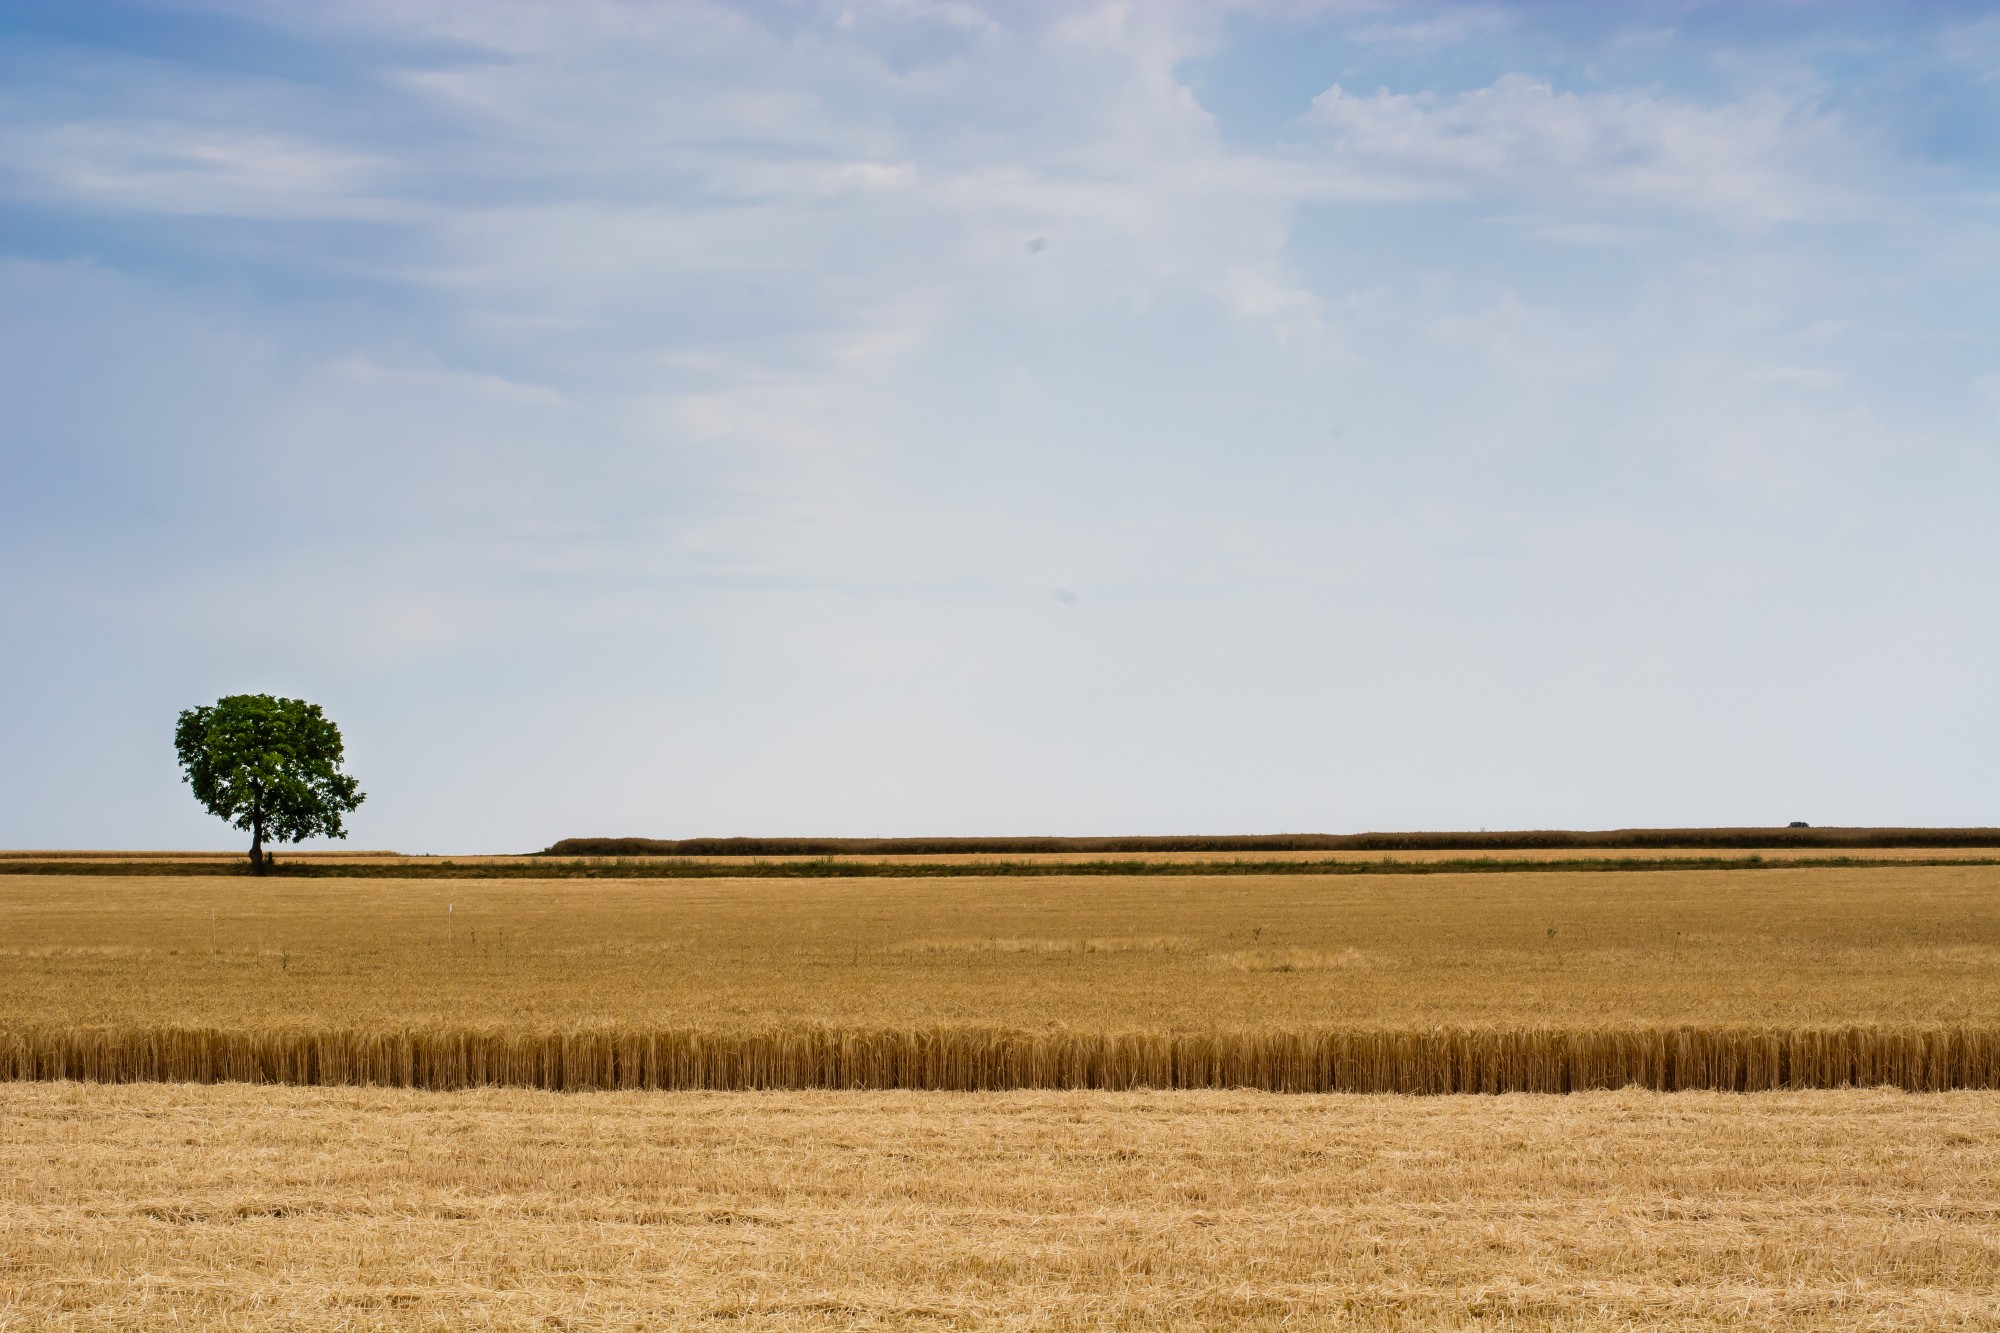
[(1516, 840)]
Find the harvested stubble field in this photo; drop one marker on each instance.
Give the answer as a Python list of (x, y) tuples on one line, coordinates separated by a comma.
[(301, 1208)]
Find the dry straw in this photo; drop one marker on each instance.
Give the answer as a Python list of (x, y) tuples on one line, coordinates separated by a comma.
[(965, 1059)]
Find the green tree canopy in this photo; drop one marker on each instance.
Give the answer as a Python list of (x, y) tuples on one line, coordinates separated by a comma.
[(271, 767)]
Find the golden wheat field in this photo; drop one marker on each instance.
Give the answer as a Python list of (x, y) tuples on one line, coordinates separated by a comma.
[(231, 1205), (1789, 947), (302, 1208)]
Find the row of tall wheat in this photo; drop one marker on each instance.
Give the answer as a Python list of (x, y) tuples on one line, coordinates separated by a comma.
[(1439, 1060)]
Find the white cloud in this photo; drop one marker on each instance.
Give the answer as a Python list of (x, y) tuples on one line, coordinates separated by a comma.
[(1525, 341), (1748, 164), (1974, 46), (743, 198), (472, 383), (165, 166), (1812, 379), (1583, 231), (1293, 315), (1446, 29)]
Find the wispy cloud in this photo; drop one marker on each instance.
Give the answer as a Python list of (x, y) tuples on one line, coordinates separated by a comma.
[(364, 371), (1439, 30), (193, 170), (1749, 164)]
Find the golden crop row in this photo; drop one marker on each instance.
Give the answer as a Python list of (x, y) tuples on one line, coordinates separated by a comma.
[(1439, 1060)]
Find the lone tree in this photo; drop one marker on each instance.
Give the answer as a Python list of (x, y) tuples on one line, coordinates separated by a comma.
[(271, 767)]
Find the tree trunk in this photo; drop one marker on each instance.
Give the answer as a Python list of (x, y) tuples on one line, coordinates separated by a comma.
[(257, 843)]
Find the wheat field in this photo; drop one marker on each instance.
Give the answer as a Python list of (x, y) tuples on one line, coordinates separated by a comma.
[(161, 1162), (126, 1208), (1775, 948)]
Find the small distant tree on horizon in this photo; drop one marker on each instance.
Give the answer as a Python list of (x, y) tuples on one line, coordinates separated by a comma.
[(268, 766)]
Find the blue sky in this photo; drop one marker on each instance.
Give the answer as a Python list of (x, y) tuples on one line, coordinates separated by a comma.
[(927, 419)]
